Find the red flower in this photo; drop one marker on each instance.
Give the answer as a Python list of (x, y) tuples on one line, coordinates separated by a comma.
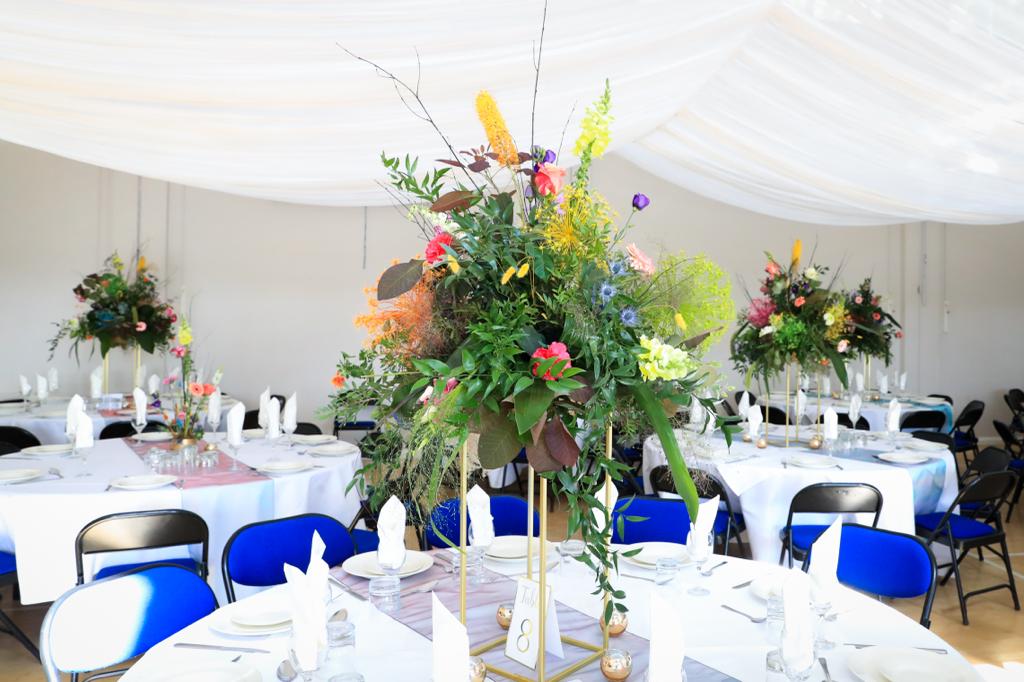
[(759, 311), (195, 389), (555, 350), (450, 385), (169, 313), (337, 380), (435, 248), (549, 179), (858, 299), (208, 389), (876, 316), (799, 301), (899, 334), (178, 351)]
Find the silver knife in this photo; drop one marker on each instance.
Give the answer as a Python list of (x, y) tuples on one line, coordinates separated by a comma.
[(217, 647), (919, 648), (346, 588)]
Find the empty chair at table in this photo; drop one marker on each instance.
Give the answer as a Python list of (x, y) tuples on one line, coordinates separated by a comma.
[(776, 415), (509, 514), (987, 461), (143, 530), (252, 417), (1015, 401), (825, 498), (125, 429), (307, 429), (108, 622), (887, 564), (1015, 448), (728, 524), (964, 437), (17, 438), (962, 533), (843, 419), (256, 554), (650, 519), (923, 420)]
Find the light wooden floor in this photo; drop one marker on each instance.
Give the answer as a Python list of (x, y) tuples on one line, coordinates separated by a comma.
[(995, 635)]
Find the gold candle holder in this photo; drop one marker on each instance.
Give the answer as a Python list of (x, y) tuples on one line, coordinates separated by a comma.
[(617, 624), (616, 665), (504, 615)]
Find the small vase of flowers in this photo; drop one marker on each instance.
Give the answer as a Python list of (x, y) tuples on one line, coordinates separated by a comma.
[(184, 417)]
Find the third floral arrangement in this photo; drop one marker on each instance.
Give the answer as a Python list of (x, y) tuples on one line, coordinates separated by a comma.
[(871, 328)]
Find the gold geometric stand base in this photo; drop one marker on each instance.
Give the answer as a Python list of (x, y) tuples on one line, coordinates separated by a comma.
[(575, 667)]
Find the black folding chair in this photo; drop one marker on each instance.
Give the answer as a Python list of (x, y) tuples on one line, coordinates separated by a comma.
[(1014, 399), (1015, 448), (18, 437), (776, 415), (964, 437), (825, 498), (252, 417), (942, 397), (307, 429), (125, 429), (923, 420), (962, 534), (844, 420), (9, 576)]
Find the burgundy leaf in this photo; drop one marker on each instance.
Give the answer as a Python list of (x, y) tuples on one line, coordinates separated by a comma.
[(456, 200), (560, 443)]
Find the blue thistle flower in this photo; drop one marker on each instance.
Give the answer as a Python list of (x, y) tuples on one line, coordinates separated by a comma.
[(617, 268), (628, 317), (607, 292)]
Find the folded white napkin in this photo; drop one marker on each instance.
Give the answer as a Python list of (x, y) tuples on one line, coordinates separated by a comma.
[(903, 381), (826, 385), (42, 390), (798, 632), (668, 649), (261, 418), (480, 519), (599, 517), (153, 385), (83, 430), (289, 418), (75, 405), (235, 419), (744, 405), (26, 388), (892, 417), (697, 542), (696, 412), (391, 530), (855, 404), (825, 563), (754, 421), (141, 403), (805, 381), (306, 596), (831, 424), (53, 378), (801, 405), (96, 383), (883, 383), (858, 381), (273, 418), (450, 644), (213, 407)]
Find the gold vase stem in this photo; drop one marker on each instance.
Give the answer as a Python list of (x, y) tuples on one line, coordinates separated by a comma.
[(607, 528), (106, 373), (787, 403), (529, 522), (138, 367), (463, 465), (542, 608)]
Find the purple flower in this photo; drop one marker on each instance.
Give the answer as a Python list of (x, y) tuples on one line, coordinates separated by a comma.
[(606, 291), (628, 317), (641, 201), (542, 155)]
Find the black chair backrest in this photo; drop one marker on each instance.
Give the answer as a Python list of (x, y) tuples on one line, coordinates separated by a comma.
[(969, 416), (725, 409), (739, 394), (307, 429), (844, 420), (708, 485), (1010, 441), (19, 437), (124, 429), (252, 417), (988, 460), (142, 530), (8, 448), (777, 415), (990, 489), (924, 419), (837, 498), (1015, 401), (935, 437), (942, 396)]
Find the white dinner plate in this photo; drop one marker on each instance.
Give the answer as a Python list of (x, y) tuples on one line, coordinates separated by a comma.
[(48, 450), (925, 400), (260, 618), (18, 475), (207, 672), (11, 408), (650, 552), (885, 435), (513, 548), (313, 438), (924, 445), (338, 448), (365, 565), (143, 482), (153, 436), (903, 458), (130, 411), (895, 664), (51, 414), (286, 466), (811, 461), (253, 434)]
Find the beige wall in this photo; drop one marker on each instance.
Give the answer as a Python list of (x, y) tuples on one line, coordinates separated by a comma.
[(274, 287)]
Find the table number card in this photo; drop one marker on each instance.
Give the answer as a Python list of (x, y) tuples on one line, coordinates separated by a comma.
[(522, 645)]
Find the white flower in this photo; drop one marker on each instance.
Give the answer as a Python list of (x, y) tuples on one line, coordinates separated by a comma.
[(766, 330), (425, 396), (811, 273), (829, 319)]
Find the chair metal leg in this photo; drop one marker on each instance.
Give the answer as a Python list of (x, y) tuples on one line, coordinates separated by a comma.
[(7, 625), (782, 555), (960, 589), (1009, 574)]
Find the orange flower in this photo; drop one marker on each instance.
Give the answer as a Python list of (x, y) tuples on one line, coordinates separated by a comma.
[(195, 389), (337, 380), (497, 132), (799, 301), (208, 389), (406, 322)]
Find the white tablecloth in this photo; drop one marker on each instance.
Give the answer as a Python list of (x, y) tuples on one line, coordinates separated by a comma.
[(713, 636), (874, 411), (40, 520), (762, 489)]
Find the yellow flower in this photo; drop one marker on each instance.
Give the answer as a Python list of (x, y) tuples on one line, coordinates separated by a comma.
[(142, 264), (680, 322), (497, 132), (798, 249), (508, 275), (453, 264), (523, 270), (595, 131), (185, 334)]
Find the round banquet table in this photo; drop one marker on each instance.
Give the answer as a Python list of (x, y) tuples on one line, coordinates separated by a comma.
[(761, 484), (713, 636), (873, 411), (39, 520)]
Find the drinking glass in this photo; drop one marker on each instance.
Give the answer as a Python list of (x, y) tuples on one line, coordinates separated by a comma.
[(475, 562), (341, 640), (570, 549), (821, 605), (665, 568), (776, 618), (700, 557), (385, 593), (306, 674), (234, 447)]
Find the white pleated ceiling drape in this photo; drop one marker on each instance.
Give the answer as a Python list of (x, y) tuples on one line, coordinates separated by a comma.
[(829, 111)]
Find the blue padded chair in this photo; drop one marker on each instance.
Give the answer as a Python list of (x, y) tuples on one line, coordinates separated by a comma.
[(825, 498), (964, 438), (663, 520), (9, 576), (110, 621), (886, 563), (509, 519), (728, 523), (963, 533), (1015, 448), (256, 554), (143, 530)]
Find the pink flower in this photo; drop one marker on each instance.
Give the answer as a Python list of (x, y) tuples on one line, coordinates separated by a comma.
[(140, 326), (843, 346), (899, 334), (640, 261), (425, 396), (773, 269), (452, 383), (170, 314), (196, 390), (858, 299), (178, 351), (760, 310), (435, 248), (556, 350), (875, 300), (549, 179), (799, 301), (876, 316)]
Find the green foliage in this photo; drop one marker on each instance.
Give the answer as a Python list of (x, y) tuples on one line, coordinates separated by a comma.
[(696, 288)]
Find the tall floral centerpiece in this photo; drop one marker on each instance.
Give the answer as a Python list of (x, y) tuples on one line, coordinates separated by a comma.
[(531, 321), (184, 417), (871, 328)]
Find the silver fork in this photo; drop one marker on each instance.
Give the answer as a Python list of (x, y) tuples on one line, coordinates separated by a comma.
[(708, 571)]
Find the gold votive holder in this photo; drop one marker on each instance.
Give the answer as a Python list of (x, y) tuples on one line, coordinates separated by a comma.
[(616, 664), (617, 624), (504, 615), (477, 669)]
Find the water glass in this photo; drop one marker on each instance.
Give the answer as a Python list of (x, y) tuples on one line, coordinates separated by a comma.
[(341, 640), (570, 549), (665, 569), (306, 674), (776, 618), (700, 557), (385, 593)]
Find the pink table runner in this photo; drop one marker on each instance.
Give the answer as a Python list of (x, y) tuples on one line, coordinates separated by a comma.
[(218, 474)]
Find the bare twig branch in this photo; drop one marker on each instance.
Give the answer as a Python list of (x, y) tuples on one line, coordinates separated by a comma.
[(568, 119), (536, 76)]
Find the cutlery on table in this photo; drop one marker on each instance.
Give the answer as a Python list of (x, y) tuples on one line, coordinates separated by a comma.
[(286, 672), (934, 650), (346, 588), (638, 577), (218, 647), (236, 658), (422, 587), (752, 619), (824, 666), (708, 571), (443, 565), (742, 585)]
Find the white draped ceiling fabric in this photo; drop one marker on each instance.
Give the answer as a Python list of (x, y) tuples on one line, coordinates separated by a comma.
[(828, 111)]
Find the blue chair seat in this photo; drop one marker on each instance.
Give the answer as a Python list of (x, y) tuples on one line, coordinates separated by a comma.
[(1017, 464), (722, 522), (804, 536), (7, 563), (963, 441), (366, 540), (124, 568), (963, 528)]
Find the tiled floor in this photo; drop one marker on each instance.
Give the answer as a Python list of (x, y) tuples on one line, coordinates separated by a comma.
[(996, 633)]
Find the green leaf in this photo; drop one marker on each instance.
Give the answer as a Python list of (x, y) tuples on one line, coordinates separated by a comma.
[(521, 384), (531, 404), (653, 409), (398, 279), (499, 441)]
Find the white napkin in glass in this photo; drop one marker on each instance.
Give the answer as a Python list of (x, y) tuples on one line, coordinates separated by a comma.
[(261, 418), (96, 383), (83, 430), (53, 378), (153, 385), (858, 381), (883, 383), (754, 421), (892, 417), (26, 388), (831, 424), (273, 418), (903, 381), (450, 644), (798, 632), (744, 405), (75, 405), (289, 418), (805, 381), (825, 563), (599, 517), (801, 405), (854, 413), (826, 386), (306, 596), (478, 504), (696, 412), (140, 376), (42, 390), (697, 542), (235, 419), (668, 649), (213, 407), (141, 403), (391, 530)]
